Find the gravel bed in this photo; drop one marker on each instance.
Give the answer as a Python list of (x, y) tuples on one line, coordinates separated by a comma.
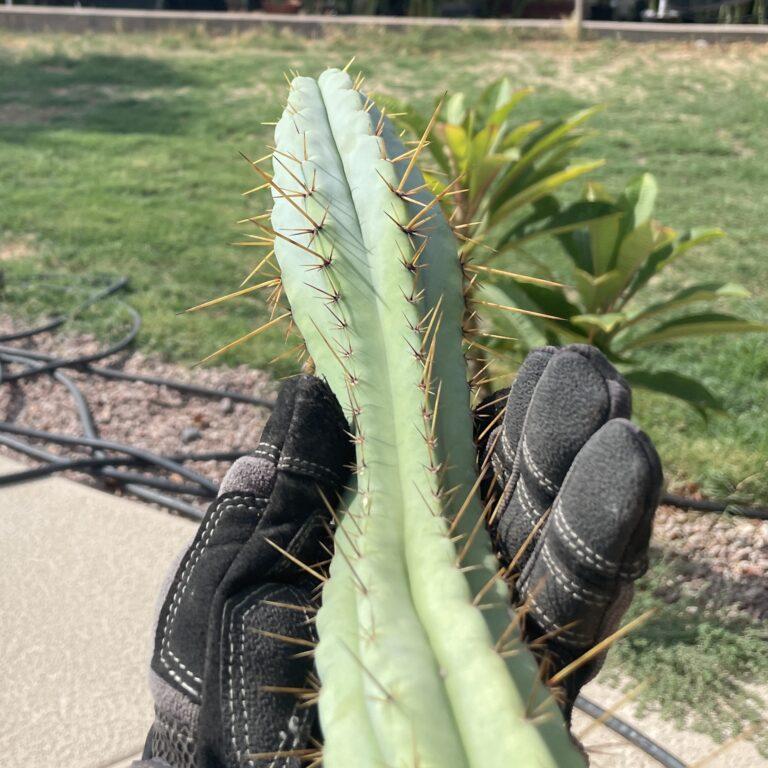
[(725, 559), (159, 419)]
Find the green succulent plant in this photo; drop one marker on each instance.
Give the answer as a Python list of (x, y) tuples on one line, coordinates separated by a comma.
[(501, 182), (609, 262), (420, 661), (507, 170)]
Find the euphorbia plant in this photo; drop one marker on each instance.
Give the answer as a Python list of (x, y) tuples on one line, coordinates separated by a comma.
[(506, 167), (609, 263)]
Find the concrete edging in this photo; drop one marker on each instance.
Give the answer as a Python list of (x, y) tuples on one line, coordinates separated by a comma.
[(78, 20)]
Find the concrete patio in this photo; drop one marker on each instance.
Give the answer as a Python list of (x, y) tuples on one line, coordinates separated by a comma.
[(81, 571)]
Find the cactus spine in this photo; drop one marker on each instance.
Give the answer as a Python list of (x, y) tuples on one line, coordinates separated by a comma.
[(419, 662)]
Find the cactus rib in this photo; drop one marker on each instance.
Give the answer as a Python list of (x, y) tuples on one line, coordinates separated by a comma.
[(413, 672)]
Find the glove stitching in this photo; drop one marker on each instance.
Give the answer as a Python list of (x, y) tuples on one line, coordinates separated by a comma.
[(280, 746), (301, 726), (272, 453), (243, 699), (537, 473), (499, 469), (569, 586), (573, 540), (231, 698), (182, 586), (299, 730), (578, 640), (242, 691), (302, 465), (244, 703), (224, 505), (294, 462), (507, 449), (170, 616), (635, 566), (526, 502)]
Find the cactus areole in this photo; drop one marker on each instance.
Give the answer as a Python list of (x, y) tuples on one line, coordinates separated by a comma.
[(420, 660)]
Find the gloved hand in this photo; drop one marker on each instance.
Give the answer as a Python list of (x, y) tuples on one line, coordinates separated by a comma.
[(577, 485), (215, 649), (234, 595)]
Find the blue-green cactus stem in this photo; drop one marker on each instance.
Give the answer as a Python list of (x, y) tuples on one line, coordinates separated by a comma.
[(418, 661)]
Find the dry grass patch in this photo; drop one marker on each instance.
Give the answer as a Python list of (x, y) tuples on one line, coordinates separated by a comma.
[(13, 247)]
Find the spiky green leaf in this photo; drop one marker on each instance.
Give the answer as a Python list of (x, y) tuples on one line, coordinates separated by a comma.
[(544, 222), (607, 323), (691, 294), (705, 324), (669, 252), (673, 384)]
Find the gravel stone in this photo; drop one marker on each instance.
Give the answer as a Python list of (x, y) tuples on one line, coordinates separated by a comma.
[(727, 557), (190, 434)]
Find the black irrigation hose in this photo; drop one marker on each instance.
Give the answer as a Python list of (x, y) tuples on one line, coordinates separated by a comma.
[(630, 733), (181, 507), (715, 505), (139, 453), (82, 360), (140, 485), (94, 462), (27, 333), (114, 373), (99, 464), (111, 288)]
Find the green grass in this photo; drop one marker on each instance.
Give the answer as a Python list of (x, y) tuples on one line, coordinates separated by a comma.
[(120, 155)]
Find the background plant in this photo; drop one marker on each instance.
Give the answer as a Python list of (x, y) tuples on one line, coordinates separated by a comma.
[(502, 168), (503, 187), (608, 264)]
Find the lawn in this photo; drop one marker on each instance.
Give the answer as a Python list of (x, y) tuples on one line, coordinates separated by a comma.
[(120, 155)]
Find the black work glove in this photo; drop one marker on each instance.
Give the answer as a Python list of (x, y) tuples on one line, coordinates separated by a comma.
[(218, 653), (577, 485), (222, 625)]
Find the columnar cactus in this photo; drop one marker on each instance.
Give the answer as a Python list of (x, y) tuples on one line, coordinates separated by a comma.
[(420, 660)]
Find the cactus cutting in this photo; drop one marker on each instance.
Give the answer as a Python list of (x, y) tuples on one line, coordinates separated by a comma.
[(420, 661)]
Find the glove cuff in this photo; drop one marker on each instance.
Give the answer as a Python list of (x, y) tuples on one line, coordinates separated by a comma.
[(171, 742), (147, 761)]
